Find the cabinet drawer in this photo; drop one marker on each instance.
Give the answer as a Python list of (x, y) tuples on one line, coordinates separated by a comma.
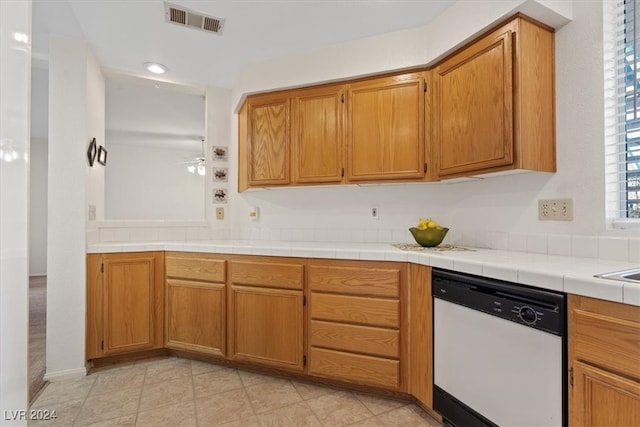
[(608, 341), (384, 282), (362, 310), (355, 368), (268, 273), (355, 338), (195, 267)]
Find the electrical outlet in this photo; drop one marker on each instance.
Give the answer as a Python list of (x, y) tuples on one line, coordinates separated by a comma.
[(375, 212), (555, 209), (219, 213)]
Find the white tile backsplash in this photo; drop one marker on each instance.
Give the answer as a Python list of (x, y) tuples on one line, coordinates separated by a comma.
[(613, 248), (634, 250), (537, 243), (584, 246), (518, 242), (559, 244)]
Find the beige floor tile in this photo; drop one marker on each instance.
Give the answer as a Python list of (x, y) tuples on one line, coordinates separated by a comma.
[(179, 415), (272, 394), (166, 393), (407, 416), (378, 405), (309, 391), (216, 382), (198, 367), (245, 422), (252, 378), (168, 370), (61, 391), (223, 408), (126, 421), (109, 406), (118, 379), (299, 415), (339, 408), (58, 414), (369, 422)]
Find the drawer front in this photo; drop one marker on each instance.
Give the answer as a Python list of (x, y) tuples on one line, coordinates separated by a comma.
[(384, 282), (195, 268), (359, 310), (271, 274), (360, 339), (607, 341), (355, 368)]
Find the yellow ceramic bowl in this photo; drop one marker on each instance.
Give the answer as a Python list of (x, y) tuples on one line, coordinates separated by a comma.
[(428, 237)]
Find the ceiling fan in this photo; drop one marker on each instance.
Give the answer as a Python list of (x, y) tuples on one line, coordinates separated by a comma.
[(197, 165)]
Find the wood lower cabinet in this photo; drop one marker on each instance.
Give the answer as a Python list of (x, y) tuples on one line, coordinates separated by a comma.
[(604, 363), (265, 311), (195, 303), (385, 128), (125, 301), (493, 103), (357, 323), (420, 306)]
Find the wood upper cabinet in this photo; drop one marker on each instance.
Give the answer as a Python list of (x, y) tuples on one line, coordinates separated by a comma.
[(604, 363), (317, 135), (265, 311), (493, 103), (268, 140), (195, 302), (125, 296), (385, 128), (357, 324)]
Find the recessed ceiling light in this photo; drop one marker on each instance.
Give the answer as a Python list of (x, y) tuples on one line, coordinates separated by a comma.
[(155, 68)]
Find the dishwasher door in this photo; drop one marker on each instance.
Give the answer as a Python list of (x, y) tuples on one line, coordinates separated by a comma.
[(509, 373)]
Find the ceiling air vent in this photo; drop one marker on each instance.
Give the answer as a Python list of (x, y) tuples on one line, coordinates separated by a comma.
[(189, 18)]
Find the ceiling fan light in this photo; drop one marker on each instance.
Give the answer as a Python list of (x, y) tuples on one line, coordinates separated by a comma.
[(191, 168), (201, 169), (155, 68)]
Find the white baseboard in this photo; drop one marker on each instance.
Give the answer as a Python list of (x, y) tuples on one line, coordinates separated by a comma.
[(68, 374)]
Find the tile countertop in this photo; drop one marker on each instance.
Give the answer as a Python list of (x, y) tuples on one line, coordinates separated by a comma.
[(560, 273)]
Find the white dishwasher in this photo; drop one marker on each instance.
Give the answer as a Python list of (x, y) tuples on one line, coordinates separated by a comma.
[(499, 352)]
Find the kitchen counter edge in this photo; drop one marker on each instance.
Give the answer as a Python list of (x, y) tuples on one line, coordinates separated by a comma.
[(560, 273)]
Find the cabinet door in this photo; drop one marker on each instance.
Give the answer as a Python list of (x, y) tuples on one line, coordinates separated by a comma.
[(195, 318), (266, 326), (317, 135), (268, 140), (601, 398), (133, 302), (473, 107), (385, 137)]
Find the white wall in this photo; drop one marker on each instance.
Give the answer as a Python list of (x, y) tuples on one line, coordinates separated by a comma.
[(38, 178), (150, 183), (75, 114), (15, 75), (498, 212)]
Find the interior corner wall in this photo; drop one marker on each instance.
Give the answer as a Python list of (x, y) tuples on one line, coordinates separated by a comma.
[(70, 79), (218, 133)]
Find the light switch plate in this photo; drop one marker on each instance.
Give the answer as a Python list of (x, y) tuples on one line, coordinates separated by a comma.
[(555, 210)]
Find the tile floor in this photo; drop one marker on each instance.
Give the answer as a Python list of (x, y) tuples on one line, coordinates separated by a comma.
[(37, 332), (179, 392)]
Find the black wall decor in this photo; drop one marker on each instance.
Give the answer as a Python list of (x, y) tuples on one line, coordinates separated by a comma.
[(92, 151), (102, 156)]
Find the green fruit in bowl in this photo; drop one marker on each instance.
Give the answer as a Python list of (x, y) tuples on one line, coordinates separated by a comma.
[(429, 237)]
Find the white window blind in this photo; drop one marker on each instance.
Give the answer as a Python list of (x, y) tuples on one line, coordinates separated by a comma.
[(622, 111)]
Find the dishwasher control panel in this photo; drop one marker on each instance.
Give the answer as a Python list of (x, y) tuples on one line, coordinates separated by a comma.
[(537, 308)]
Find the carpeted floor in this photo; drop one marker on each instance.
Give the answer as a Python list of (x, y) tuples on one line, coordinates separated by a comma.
[(37, 333)]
